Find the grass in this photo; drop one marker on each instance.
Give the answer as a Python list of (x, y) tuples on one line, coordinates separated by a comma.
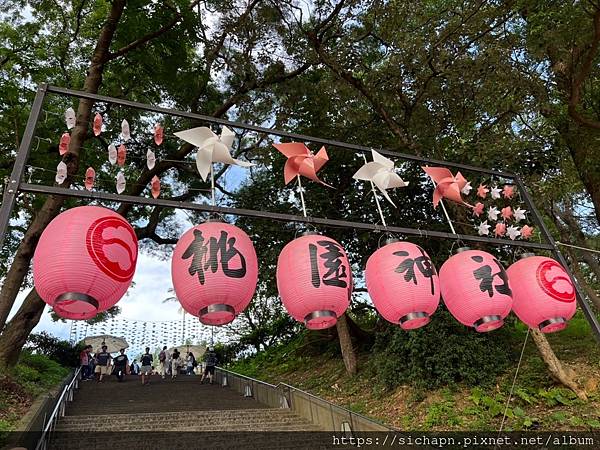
[(32, 376), (538, 403)]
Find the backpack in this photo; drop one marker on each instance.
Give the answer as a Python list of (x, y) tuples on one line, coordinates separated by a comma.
[(162, 356)]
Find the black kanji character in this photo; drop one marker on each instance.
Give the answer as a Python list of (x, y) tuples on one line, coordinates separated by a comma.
[(423, 264), (335, 269), (484, 273)]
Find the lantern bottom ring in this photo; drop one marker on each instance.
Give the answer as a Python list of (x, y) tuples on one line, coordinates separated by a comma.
[(217, 314), (321, 319), (76, 305), (414, 320), (488, 323), (552, 325)]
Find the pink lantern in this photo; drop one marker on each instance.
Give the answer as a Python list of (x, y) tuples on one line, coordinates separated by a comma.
[(84, 261), (403, 284), (314, 280), (543, 293), (214, 271), (475, 289)]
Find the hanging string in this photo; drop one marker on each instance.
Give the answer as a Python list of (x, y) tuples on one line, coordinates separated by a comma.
[(512, 388), (585, 249), (376, 197)]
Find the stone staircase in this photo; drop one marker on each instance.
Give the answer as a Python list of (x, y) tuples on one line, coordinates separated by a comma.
[(176, 414)]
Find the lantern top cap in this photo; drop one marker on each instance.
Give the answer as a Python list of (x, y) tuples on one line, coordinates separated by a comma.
[(527, 255), (309, 233), (462, 249), (391, 240)]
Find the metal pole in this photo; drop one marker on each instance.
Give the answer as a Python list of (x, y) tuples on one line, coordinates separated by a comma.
[(10, 193), (587, 310)]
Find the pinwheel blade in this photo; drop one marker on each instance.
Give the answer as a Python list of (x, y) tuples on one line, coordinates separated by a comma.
[(291, 149), (204, 158), (196, 136), (367, 171), (227, 137), (380, 159)]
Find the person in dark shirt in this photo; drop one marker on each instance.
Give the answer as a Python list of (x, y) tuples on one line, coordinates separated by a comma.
[(102, 360), (175, 363), (210, 357), (121, 364), (146, 366)]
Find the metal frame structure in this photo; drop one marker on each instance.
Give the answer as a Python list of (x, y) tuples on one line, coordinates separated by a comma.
[(16, 185)]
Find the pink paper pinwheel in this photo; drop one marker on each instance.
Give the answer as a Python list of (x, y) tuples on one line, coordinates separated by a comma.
[(97, 124), (65, 140), (155, 186), (446, 185), (301, 161), (90, 178)]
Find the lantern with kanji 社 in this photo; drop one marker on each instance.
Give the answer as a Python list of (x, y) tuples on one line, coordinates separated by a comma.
[(314, 280), (214, 271), (403, 284), (84, 261), (475, 289), (543, 293)]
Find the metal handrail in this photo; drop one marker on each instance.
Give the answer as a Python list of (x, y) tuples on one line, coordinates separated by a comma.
[(281, 385), (59, 410)]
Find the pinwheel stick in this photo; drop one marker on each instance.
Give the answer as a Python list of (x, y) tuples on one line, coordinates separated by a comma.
[(212, 184), (444, 209), (301, 195), (376, 198)]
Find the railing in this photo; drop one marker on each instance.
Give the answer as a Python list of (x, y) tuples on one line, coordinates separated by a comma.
[(58, 411), (316, 410)]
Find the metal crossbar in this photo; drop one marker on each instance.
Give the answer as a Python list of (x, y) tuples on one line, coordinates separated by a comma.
[(16, 185)]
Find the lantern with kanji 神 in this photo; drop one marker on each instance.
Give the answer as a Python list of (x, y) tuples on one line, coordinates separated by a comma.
[(214, 271), (403, 284), (84, 261), (475, 289), (314, 280), (543, 293)]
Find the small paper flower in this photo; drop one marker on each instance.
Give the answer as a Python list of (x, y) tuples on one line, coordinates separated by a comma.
[(513, 232), (526, 231), (120, 183), (65, 140), (61, 173), (519, 214), (90, 178), (97, 124), (483, 228), (125, 132), (500, 229), (482, 191), (150, 159), (496, 192), (112, 154), (70, 119), (158, 134), (507, 213), (508, 191), (493, 213), (478, 209), (467, 189)]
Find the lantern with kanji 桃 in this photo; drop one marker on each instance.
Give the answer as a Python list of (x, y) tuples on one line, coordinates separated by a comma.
[(314, 280), (543, 293), (214, 271), (84, 261), (475, 289), (403, 284)]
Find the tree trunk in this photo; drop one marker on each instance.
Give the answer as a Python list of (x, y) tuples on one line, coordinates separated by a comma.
[(348, 353), (554, 365), (17, 331), (20, 266)]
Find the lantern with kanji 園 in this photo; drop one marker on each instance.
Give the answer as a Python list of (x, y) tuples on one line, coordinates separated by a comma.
[(84, 261), (543, 293), (214, 271), (403, 284), (475, 289), (314, 280)]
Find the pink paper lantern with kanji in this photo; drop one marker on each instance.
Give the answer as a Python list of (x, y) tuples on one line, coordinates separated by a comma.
[(214, 271), (475, 289), (543, 293), (84, 261), (314, 280), (403, 284)]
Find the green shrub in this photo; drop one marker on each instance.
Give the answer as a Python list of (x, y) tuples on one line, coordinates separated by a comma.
[(442, 353)]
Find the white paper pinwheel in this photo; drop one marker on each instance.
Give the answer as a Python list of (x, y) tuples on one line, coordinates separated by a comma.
[(211, 148), (381, 172)]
